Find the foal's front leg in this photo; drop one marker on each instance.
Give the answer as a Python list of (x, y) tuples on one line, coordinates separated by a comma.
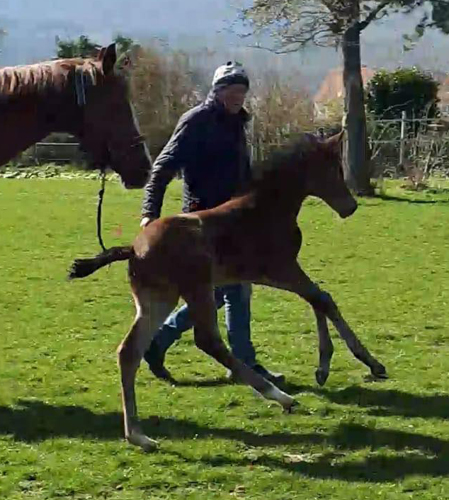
[(329, 307), (326, 348), (294, 279)]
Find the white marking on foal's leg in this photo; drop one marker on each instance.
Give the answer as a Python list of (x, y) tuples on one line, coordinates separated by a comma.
[(140, 439), (281, 397)]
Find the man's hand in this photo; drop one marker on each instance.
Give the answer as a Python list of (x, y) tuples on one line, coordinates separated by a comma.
[(146, 220)]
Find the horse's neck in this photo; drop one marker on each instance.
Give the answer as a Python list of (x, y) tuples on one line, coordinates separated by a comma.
[(24, 123), (278, 193)]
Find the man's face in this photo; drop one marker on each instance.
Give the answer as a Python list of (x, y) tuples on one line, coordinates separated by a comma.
[(233, 97)]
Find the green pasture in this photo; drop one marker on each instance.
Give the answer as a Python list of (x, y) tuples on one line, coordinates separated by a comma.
[(60, 422)]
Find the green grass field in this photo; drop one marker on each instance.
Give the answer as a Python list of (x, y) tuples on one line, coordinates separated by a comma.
[(60, 421)]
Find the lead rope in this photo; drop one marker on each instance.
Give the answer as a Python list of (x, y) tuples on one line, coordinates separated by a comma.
[(99, 208)]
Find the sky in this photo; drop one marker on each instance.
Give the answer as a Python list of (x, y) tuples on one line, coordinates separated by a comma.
[(194, 25), (33, 24)]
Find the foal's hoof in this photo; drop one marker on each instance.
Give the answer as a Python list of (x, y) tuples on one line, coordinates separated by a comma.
[(289, 409), (143, 442), (379, 372), (321, 376)]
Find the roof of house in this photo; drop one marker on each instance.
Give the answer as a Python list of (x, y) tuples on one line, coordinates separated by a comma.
[(332, 86), (443, 93)]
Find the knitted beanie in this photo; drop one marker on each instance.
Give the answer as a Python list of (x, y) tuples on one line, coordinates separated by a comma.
[(229, 74)]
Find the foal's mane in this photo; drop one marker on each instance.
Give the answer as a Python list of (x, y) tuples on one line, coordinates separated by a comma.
[(44, 76), (285, 156)]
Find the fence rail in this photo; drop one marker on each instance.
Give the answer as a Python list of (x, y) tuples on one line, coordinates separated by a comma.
[(61, 152), (391, 144)]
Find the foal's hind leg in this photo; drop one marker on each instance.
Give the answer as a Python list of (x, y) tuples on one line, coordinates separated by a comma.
[(151, 313), (207, 338)]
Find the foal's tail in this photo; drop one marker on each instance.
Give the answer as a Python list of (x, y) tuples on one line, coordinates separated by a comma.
[(83, 267)]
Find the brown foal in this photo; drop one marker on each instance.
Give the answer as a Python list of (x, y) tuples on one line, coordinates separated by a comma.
[(251, 238)]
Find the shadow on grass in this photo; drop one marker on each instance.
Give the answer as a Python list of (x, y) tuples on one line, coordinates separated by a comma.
[(392, 454), (385, 403), (387, 197), (381, 402), (36, 421), (218, 382), (376, 468)]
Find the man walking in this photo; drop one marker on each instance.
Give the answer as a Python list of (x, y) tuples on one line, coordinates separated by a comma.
[(209, 148)]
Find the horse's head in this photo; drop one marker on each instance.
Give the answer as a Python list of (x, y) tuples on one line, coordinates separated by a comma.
[(325, 175), (109, 129)]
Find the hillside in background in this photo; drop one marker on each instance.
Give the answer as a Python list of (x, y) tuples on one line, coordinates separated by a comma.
[(199, 27)]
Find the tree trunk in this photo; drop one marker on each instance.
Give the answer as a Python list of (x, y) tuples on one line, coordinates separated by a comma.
[(357, 165)]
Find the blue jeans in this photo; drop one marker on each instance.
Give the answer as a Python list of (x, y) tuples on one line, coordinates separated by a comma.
[(236, 299)]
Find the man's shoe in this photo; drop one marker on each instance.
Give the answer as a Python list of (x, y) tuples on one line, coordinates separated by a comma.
[(155, 357)]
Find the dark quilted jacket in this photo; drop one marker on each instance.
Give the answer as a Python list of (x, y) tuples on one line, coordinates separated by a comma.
[(209, 148)]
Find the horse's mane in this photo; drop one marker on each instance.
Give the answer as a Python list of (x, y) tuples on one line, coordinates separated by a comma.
[(44, 76)]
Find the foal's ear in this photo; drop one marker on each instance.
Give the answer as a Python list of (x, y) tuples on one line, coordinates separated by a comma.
[(101, 53), (335, 142), (108, 58)]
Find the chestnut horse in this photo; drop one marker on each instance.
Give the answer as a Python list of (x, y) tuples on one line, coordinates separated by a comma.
[(87, 98), (251, 238)]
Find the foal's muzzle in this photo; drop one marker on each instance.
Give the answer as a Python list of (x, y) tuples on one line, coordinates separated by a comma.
[(348, 210)]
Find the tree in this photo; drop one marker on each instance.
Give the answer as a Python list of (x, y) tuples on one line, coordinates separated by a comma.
[(293, 24), (127, 51), (389, 93), (124, 43), (83, 47)]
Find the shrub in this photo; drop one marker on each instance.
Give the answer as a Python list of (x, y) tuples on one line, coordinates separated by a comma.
[(162, 90), (279, 112), (389, 93)]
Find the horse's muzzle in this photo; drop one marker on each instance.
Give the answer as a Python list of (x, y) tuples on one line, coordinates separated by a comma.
[(348, 211), (137, 182)]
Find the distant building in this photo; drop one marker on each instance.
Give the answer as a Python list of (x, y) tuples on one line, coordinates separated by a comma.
[(443, 94), (332, 91)]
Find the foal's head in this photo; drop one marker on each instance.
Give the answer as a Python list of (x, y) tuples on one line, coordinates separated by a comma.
[(324, 177), (109, 130)]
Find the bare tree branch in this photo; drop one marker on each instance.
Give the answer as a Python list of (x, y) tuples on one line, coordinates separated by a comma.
[(373, 14)]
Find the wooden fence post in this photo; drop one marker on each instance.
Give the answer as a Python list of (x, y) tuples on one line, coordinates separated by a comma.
[(402, 143)]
